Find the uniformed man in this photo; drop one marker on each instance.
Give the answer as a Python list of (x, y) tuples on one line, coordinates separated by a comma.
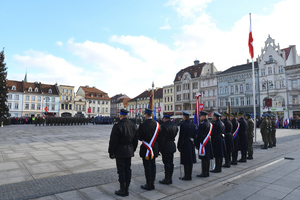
[(235, 136), (167, 147), (250, 135), (243, 136), (218, 143), (264, 131), (273, 130), (40, 121), (203, 144), (148, 133), (269, 130), (122, 145), (228, 139), (185, 145)]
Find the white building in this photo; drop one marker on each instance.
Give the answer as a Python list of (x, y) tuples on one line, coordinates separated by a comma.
[(15, 98), (293, 90)]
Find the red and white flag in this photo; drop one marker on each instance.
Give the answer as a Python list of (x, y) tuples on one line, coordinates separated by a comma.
[(250, 41)]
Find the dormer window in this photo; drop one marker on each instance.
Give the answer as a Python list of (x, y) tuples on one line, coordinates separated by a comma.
[(97, 96), (102, 96), (179, 78), (36, 90), (92, 95), (13, 87), (195, 74), (50, 91), (29, 89)]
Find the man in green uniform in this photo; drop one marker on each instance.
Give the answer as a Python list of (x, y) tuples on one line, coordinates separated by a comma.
[(264, 131), (269, 128), (250, 136), (273, 131)]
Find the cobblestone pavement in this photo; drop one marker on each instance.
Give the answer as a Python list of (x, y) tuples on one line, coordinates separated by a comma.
[(72, 163)]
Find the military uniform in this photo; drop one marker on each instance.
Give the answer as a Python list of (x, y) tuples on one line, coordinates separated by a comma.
[(146, 132), (236, 143), (122, 145), (273, 131), (264, 131), (203, 131), (250, 136), (243, 137), (186, 146), (167, 148), (228, 140)]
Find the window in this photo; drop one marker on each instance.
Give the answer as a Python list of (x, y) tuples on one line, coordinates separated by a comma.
[(106, 110), (194, 95), (271, 85), (39, 98), (16, 97), (214, 103), (281, 84), (269, 70), (67, 98), (204, 83), (66, 106), (280, 69), (67, 91), (220, 102), (171, 90), (29, 89), (171, 98), (71, 91), (93, 109), (26, 106), (178, 88), (247, 86), (83, 107), (32, 106), (53, 99), (195, 85), (27, 99), (16, 105), (231, 89), (179, 97), (241, 88), (62, 106), (203, 93), (248, 101), (264, 85), (263, 72), (63, 90), (50, 91), (9, 96), (295, 100), (76, 107), (208, 103), (47, 99), (186, 86), (36, 89), (214, 92), (52, 107), (13, 87), (38, 106), (79, 107), (232, 101), (9, 105), (168, 91), (208, 93), (242, 101), (179, 78), (237, 102), (226, 89), (294, 84), (32, 98), (186, 96), (62, 97)]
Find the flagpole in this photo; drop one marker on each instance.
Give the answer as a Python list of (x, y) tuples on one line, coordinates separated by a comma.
[(153, 100), (253, 88)]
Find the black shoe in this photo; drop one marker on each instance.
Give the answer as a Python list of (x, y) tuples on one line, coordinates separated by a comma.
[(226, 165), (185, 178), (270, 146), (249, 158), (203, 175), (215, 171), (233, 163), (274, 145), (147, 187), (121, 193), (264, 147), (242, 160), (165, 182)]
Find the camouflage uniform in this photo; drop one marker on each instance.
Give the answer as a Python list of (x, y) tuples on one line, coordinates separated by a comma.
[(264, 131), (273, 131), (250, 135)]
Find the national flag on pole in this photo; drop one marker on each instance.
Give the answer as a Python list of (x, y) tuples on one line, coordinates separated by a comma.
[(150, 106), (197, 112), (250, 41)]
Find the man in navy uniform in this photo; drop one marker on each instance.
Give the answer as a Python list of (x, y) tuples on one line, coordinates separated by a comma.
[(235, 136), (203, 144), (243, 136), (122, 145), (228, 139), (218, 143), (185, 146), (148, 133), (167, 147)]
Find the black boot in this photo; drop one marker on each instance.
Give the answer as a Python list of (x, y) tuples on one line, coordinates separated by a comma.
[(205, 169), (147, 186), (121, 192), (227, 162), (218, 165), (166, 180), (264, 147), (249, 157), (186, 173), (127, 188), (234, 159), (243, 159), (270, 145)]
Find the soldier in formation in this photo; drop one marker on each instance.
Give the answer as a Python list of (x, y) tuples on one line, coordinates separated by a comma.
[(250, 135), (243, 136), (228, 139), (273, 131), (264, 130), (235, 137)]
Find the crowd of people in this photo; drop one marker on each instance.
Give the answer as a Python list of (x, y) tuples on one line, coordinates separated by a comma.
[(220, 139)]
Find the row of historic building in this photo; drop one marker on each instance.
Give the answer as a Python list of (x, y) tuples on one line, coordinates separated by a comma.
[(277, 77)]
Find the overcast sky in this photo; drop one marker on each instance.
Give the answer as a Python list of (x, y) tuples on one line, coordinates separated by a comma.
[(122, 46)]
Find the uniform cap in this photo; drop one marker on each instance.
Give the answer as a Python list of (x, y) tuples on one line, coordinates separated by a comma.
[(149, 111), (225, 114), (124, 112), (167, 116), (232, 114), (186, 113), (217, 114), (203, 113)]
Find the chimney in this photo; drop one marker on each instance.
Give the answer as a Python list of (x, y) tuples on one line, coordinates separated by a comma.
[(196, 62)]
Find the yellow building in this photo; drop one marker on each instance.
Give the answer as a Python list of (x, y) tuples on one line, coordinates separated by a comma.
[(168, 100), (66, 100)]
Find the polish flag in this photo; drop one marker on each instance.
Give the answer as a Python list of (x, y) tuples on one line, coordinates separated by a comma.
[(250, 41)]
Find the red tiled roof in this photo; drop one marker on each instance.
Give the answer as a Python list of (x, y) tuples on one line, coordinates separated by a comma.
[(191, 69), (97, 94), (124, 100), (27, 85), (46, 88), (18, 84), (158, 94), (287, 52)]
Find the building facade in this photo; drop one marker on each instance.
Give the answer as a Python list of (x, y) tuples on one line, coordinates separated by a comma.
[(97, 102), (15, 98), (66, 100), (114, 102), (187, 84), (168, 100), (235, 88), (272, 77), (293, 90), (51, 99), (122, 104)]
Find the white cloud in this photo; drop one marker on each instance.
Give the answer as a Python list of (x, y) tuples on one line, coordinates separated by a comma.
[(166, 27), (59, 43)]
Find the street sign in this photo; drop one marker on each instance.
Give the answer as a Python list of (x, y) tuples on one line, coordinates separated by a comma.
[(89, 110), (159, 109), (201, 106), (46, 109)]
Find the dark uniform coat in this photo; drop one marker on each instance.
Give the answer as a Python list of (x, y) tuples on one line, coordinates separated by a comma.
[(236, 142), (123, 139), (203, 131), (243, 134), (185, 145), (145, 132), (228, 135), (167, 137), (217, 139)]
